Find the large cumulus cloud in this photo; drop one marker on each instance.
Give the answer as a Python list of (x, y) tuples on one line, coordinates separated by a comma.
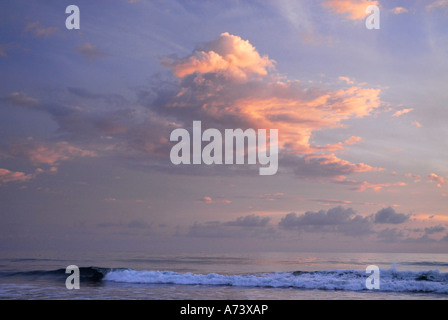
[(225, 83)]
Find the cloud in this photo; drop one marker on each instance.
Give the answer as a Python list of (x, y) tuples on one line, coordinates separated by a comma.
[(401, 112), (353, 9), (390, 235), (14, 176), (434, 229), (432, 177), (138, 224), (49, 153), (209, 200), (398, 10), (361, 186), (303, 22), (437, 4), (415, 177), (228, 55), (242, 227), (19, 99), (249, 221), (4, 48), (389, 216), (417, 124), (225, 83), (39, 31), (272, 197), (133, 224), (346, 79), (90, 51), (328, 202), (337, 219)]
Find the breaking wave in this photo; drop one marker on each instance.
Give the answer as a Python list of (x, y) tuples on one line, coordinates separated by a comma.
[(391, 280)]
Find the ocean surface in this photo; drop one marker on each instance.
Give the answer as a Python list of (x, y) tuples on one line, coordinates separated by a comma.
[(237, 276)]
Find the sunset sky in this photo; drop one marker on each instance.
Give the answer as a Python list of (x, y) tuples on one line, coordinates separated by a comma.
[(86, 117)]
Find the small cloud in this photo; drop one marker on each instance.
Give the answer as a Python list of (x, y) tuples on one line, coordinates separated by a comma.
[(38, 30), (272, 197), (346, 79), (353, 9), (328, 202), (417, 124), (49, 153), (14, 176), (415, 177), (53, 170), (337, 219), (445, 238), (437, 4), (134, 224), (361, 186), (435, 229), (209, 200), (249, 221), (389, 216), (19, 99), (401, 112), (91, 52), (395, 150), (138, 224), (398, 10), (432, 177), (4, 48)]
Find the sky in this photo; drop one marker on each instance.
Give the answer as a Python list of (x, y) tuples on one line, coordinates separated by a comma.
[(86, 117)]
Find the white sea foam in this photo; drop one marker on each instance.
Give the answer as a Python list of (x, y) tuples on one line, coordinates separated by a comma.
[(346, 280)]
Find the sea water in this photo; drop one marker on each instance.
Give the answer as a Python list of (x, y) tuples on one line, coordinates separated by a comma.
[(229, 276)]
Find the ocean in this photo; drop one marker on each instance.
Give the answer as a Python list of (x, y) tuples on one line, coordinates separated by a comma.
[(232, 276)]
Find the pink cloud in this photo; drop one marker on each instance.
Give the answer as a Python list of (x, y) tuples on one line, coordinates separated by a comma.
[(21, 99), (354, 9), (229, 55), (14, 176), (401, 112), (272, 197), (346, 79), (90, 51), (4, 48), (437, 4), (38, 30), (432, 177), (50, 154), (417, 124), (415, 177), (343, 166), (361, 186), (399, 10), (209, 200), (282, 107), (230, 83)]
